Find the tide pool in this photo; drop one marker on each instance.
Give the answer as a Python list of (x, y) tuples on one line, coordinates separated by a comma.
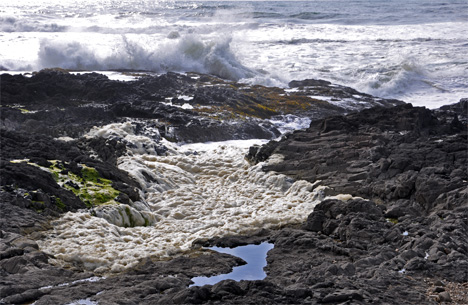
[(254, 255)]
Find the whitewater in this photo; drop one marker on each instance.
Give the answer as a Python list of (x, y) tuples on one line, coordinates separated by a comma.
[(410, 50), (193, 192)]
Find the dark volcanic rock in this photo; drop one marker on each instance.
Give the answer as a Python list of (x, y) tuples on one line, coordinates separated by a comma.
[(342, 96), (57, 103), (400, 155), (409, 162)]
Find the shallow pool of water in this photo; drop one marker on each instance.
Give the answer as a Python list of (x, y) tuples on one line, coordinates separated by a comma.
[(254, 255)]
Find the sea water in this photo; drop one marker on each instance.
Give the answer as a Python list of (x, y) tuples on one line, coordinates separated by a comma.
[(414, 50), (253, 255)]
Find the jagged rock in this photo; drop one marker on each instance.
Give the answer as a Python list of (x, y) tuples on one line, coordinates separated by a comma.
[(76, 103), (407, 161), (445, 297), (402, 153), (342, 296)]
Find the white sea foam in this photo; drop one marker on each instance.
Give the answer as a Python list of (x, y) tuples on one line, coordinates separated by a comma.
[(288, 123), (197, 191), (90, 279), (83, 302), (184, 106)]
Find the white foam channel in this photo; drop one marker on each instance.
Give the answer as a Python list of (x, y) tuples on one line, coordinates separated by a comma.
[(196, 191)]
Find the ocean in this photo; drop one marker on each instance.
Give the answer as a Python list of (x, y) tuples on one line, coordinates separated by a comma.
[(413, 50)]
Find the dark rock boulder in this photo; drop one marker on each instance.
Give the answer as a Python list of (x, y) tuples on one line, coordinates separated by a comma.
[(402, 153)]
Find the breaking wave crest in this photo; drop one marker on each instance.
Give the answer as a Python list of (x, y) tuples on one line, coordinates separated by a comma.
[(186, 53), (12, 24), (397, 78)]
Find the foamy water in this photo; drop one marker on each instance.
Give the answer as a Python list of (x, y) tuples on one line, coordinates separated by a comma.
[(411, 50), (196, 191)]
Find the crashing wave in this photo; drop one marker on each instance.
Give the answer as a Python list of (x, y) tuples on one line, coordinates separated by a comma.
[(187, 53)]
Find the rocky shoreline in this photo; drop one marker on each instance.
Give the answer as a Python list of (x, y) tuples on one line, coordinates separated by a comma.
[(393, 227)]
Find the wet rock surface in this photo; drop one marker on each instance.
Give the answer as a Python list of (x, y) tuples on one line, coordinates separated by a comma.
[(185, 107), (408, 163)]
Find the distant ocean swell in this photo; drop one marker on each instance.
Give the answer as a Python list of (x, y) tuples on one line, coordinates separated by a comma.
[(11, 24)]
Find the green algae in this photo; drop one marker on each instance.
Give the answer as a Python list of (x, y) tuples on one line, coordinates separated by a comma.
[(38, 205), (261, 102), (19, 107), (130, 216), (59, 203), (89, 186)]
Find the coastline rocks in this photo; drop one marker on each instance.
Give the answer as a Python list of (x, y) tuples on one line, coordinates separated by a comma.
[(24, 269), (415, 244), (338, 95), (405, 154), (407, 162), (183, 107), (51, 128)]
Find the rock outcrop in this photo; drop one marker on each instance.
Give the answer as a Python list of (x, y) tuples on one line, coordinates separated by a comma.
[(408, 156), (185, 108), (403, 230)]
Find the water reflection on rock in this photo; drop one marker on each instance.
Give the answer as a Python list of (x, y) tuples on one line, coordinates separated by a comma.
[(254, 255)]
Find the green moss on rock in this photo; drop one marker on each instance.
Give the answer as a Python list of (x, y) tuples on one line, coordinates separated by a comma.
[(59, 203), (90, 187), (130, 216)]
